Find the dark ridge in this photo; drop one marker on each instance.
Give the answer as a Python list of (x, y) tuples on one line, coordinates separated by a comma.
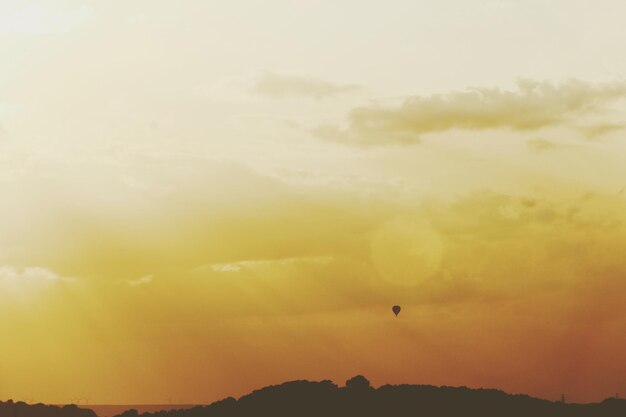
[(359, 399), (21, 409)]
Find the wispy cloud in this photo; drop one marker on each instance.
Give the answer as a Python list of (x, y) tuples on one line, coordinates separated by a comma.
[(259, 263), (144, 280), (26, 281), (275, 85), (30, 274), (598, 130), (539, 145), (531, 106)]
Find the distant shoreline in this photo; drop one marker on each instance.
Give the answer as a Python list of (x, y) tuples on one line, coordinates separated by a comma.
[(110, 410)]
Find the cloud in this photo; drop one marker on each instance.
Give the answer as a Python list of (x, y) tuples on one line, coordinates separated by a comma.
[(482, 247), (31, 274), (269, 263), (146, 279), (539, 145), (543, 263), (276, 86), (29, 281), (531, 106), (600, 129)]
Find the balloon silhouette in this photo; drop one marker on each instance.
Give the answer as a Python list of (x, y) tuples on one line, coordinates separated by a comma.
[(396, 310)]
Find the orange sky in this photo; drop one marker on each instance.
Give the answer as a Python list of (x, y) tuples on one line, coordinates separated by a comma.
[(200, 200)]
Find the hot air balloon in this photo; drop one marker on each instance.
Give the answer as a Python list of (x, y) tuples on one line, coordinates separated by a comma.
[(396, 310)]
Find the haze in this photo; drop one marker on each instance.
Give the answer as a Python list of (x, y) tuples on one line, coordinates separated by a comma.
[(200, 198)]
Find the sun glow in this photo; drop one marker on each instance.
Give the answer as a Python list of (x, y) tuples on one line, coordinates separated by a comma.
[(195, 191)]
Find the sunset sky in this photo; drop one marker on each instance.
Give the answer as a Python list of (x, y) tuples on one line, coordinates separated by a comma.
[(201, 198)]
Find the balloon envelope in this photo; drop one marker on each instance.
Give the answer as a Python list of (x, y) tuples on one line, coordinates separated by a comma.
[(396, 310)]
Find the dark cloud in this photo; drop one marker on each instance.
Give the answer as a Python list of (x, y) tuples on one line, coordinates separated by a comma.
[(531, 106)]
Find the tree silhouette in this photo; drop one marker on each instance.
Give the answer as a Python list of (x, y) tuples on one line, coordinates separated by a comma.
[(358, 383), (358, 398)]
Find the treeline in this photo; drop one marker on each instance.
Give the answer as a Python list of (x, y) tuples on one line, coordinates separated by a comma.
[(21, 409), (359, 399)]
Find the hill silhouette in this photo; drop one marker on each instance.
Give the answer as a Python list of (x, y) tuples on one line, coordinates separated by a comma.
[(21, 409), (359, 399)]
